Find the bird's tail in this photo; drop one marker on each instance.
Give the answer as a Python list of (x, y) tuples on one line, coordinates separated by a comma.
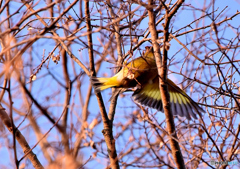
[(101, 83)]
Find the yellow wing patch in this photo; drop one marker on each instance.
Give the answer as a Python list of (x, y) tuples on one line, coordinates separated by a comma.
[(182, 105)]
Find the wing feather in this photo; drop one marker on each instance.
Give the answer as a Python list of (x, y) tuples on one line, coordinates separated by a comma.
[(181, 104)]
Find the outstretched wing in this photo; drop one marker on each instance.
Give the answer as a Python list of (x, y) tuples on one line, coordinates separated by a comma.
[(181, 104)]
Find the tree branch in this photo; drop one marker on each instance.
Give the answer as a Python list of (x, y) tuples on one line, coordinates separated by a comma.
[(107, 131), (162, 71)]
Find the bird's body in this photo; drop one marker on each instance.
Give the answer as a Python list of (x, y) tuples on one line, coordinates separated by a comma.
[(135, 72), (142, 72)]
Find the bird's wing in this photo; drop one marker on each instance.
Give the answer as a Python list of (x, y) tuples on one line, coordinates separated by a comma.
[(181, 104)]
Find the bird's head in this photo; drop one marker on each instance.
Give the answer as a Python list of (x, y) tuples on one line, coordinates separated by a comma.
[(149, 52)]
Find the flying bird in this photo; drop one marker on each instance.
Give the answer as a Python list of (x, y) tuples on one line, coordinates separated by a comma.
[(142, 73)]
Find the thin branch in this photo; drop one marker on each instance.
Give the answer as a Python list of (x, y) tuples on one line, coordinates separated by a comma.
[(107, 131), (20, 138)]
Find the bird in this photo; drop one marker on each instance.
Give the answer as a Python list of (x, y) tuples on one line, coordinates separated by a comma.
[(141, 73)]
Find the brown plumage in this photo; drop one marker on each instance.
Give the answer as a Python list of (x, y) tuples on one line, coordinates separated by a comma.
[(142, 72)]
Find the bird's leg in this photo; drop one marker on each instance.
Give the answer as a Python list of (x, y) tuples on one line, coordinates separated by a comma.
[(138, 86)]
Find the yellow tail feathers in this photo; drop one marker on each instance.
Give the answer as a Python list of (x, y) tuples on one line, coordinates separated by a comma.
[(102, 83)]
